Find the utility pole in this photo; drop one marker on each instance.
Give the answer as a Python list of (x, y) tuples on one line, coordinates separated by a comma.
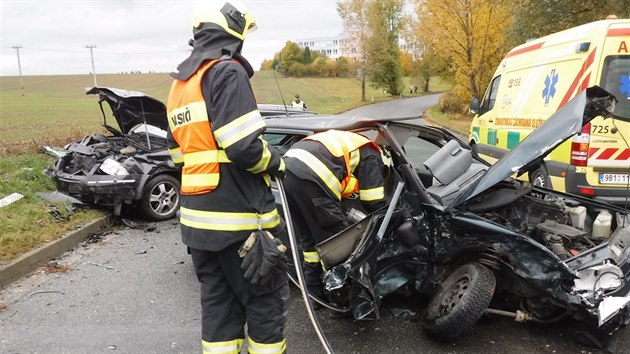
[(90, 47), (17, 49)]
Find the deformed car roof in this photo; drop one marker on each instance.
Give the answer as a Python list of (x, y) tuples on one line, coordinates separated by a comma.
[(131, 108)]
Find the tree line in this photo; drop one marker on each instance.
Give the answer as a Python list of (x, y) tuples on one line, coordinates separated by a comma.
[(463, 40)]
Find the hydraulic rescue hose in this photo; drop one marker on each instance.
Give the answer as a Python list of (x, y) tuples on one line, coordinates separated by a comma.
[(299, 272)]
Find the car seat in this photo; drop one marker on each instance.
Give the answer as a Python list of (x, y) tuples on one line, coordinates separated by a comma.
[(453, 169)]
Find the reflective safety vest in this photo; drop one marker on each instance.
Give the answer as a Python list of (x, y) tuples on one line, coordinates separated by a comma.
[(191, 128), (339, 144)]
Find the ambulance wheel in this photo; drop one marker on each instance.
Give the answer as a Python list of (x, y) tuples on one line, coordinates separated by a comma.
[(160, 198), (473, 147), (459, 302), (540, 177)]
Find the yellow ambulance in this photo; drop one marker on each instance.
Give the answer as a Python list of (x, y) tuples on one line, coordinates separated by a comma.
[(537, 78)]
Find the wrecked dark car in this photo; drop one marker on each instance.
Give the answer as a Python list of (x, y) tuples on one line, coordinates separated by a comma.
[(130, 166), (471, 237)]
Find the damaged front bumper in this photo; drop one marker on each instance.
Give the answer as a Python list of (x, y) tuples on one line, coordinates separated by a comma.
[(603, 283), (103, 190)]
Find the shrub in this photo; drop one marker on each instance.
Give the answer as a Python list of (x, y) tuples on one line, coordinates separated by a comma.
[(451, 103)]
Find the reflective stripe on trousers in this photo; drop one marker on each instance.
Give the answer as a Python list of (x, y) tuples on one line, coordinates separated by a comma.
[(229, 347), (311, 257), (261, 348)]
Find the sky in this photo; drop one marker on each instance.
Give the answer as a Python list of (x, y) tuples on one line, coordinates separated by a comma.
[(139, 35)]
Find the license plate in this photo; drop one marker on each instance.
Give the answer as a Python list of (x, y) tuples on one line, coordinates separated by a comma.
[(613, 178)]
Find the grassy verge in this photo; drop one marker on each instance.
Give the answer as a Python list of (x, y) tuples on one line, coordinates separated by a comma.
[(28, 222), (458, 123)]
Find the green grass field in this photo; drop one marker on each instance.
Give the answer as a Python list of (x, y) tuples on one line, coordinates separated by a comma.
[(55, 110)]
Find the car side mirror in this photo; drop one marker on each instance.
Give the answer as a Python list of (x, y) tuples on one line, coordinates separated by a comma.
[(474, 105)]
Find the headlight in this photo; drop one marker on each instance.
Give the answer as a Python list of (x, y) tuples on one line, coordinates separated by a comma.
[(113, 168)]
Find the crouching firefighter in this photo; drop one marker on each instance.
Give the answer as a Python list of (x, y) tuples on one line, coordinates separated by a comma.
[(215, 131), (323, 169)]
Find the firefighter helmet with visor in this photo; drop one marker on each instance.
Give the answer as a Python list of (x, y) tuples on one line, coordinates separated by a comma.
[(232, 16)]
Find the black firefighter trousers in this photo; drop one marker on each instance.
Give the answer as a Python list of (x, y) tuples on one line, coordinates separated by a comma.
[(228, 302), (317, 215)]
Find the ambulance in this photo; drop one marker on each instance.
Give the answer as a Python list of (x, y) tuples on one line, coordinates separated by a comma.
[(537, 78)]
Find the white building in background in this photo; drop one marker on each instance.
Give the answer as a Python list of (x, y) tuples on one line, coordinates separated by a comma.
[(333, 47)]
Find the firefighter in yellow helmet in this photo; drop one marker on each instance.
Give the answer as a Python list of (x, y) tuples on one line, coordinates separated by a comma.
[(323, 169), (215, 133)]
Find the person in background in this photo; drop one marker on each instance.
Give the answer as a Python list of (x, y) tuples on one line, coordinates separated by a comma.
[(298, 103), (323, 169), (215, 131)]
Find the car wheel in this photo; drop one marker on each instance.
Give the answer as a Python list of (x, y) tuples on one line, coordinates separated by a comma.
[(540, 177), (160, 199), (459, 302)]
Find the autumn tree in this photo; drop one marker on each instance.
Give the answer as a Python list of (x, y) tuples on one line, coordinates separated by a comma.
[(470, 34), (354, 15), (537, 18), (290, 54), (383, 51), (406, 62), (266, 64)]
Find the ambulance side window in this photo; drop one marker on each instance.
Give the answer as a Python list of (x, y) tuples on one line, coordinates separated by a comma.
[(491, 96), (615, 79)]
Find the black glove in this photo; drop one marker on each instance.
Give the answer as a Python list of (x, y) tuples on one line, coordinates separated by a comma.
[(262, 254)]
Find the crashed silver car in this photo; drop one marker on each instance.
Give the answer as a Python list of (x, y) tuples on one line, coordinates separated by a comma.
[(471, 237), (131, 166)]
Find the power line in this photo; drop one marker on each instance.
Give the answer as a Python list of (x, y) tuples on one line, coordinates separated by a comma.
[(91, 47), (17, 49)]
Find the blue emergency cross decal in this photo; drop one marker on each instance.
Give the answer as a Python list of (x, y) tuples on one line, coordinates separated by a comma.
[(625, 85), (550, 86)]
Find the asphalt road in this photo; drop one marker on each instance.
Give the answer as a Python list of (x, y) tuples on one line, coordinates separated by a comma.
[(407, 107), (134, 291)]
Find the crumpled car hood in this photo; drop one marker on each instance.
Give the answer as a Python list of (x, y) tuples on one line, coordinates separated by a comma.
[(131, 108), (559, 127)]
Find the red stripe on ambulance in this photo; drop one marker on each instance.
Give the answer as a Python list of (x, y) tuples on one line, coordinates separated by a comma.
[(615, 32), (525, 50), (625, 155), (607, 153), (587, 63)]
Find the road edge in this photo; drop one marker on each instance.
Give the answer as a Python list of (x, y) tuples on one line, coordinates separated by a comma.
[(30, 261)]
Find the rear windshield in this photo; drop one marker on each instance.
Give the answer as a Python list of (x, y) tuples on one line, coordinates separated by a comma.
[(616, 80)]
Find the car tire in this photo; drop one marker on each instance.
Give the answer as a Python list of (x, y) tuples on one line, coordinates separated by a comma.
[(459, 303), (160, 198), (539, 177)]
